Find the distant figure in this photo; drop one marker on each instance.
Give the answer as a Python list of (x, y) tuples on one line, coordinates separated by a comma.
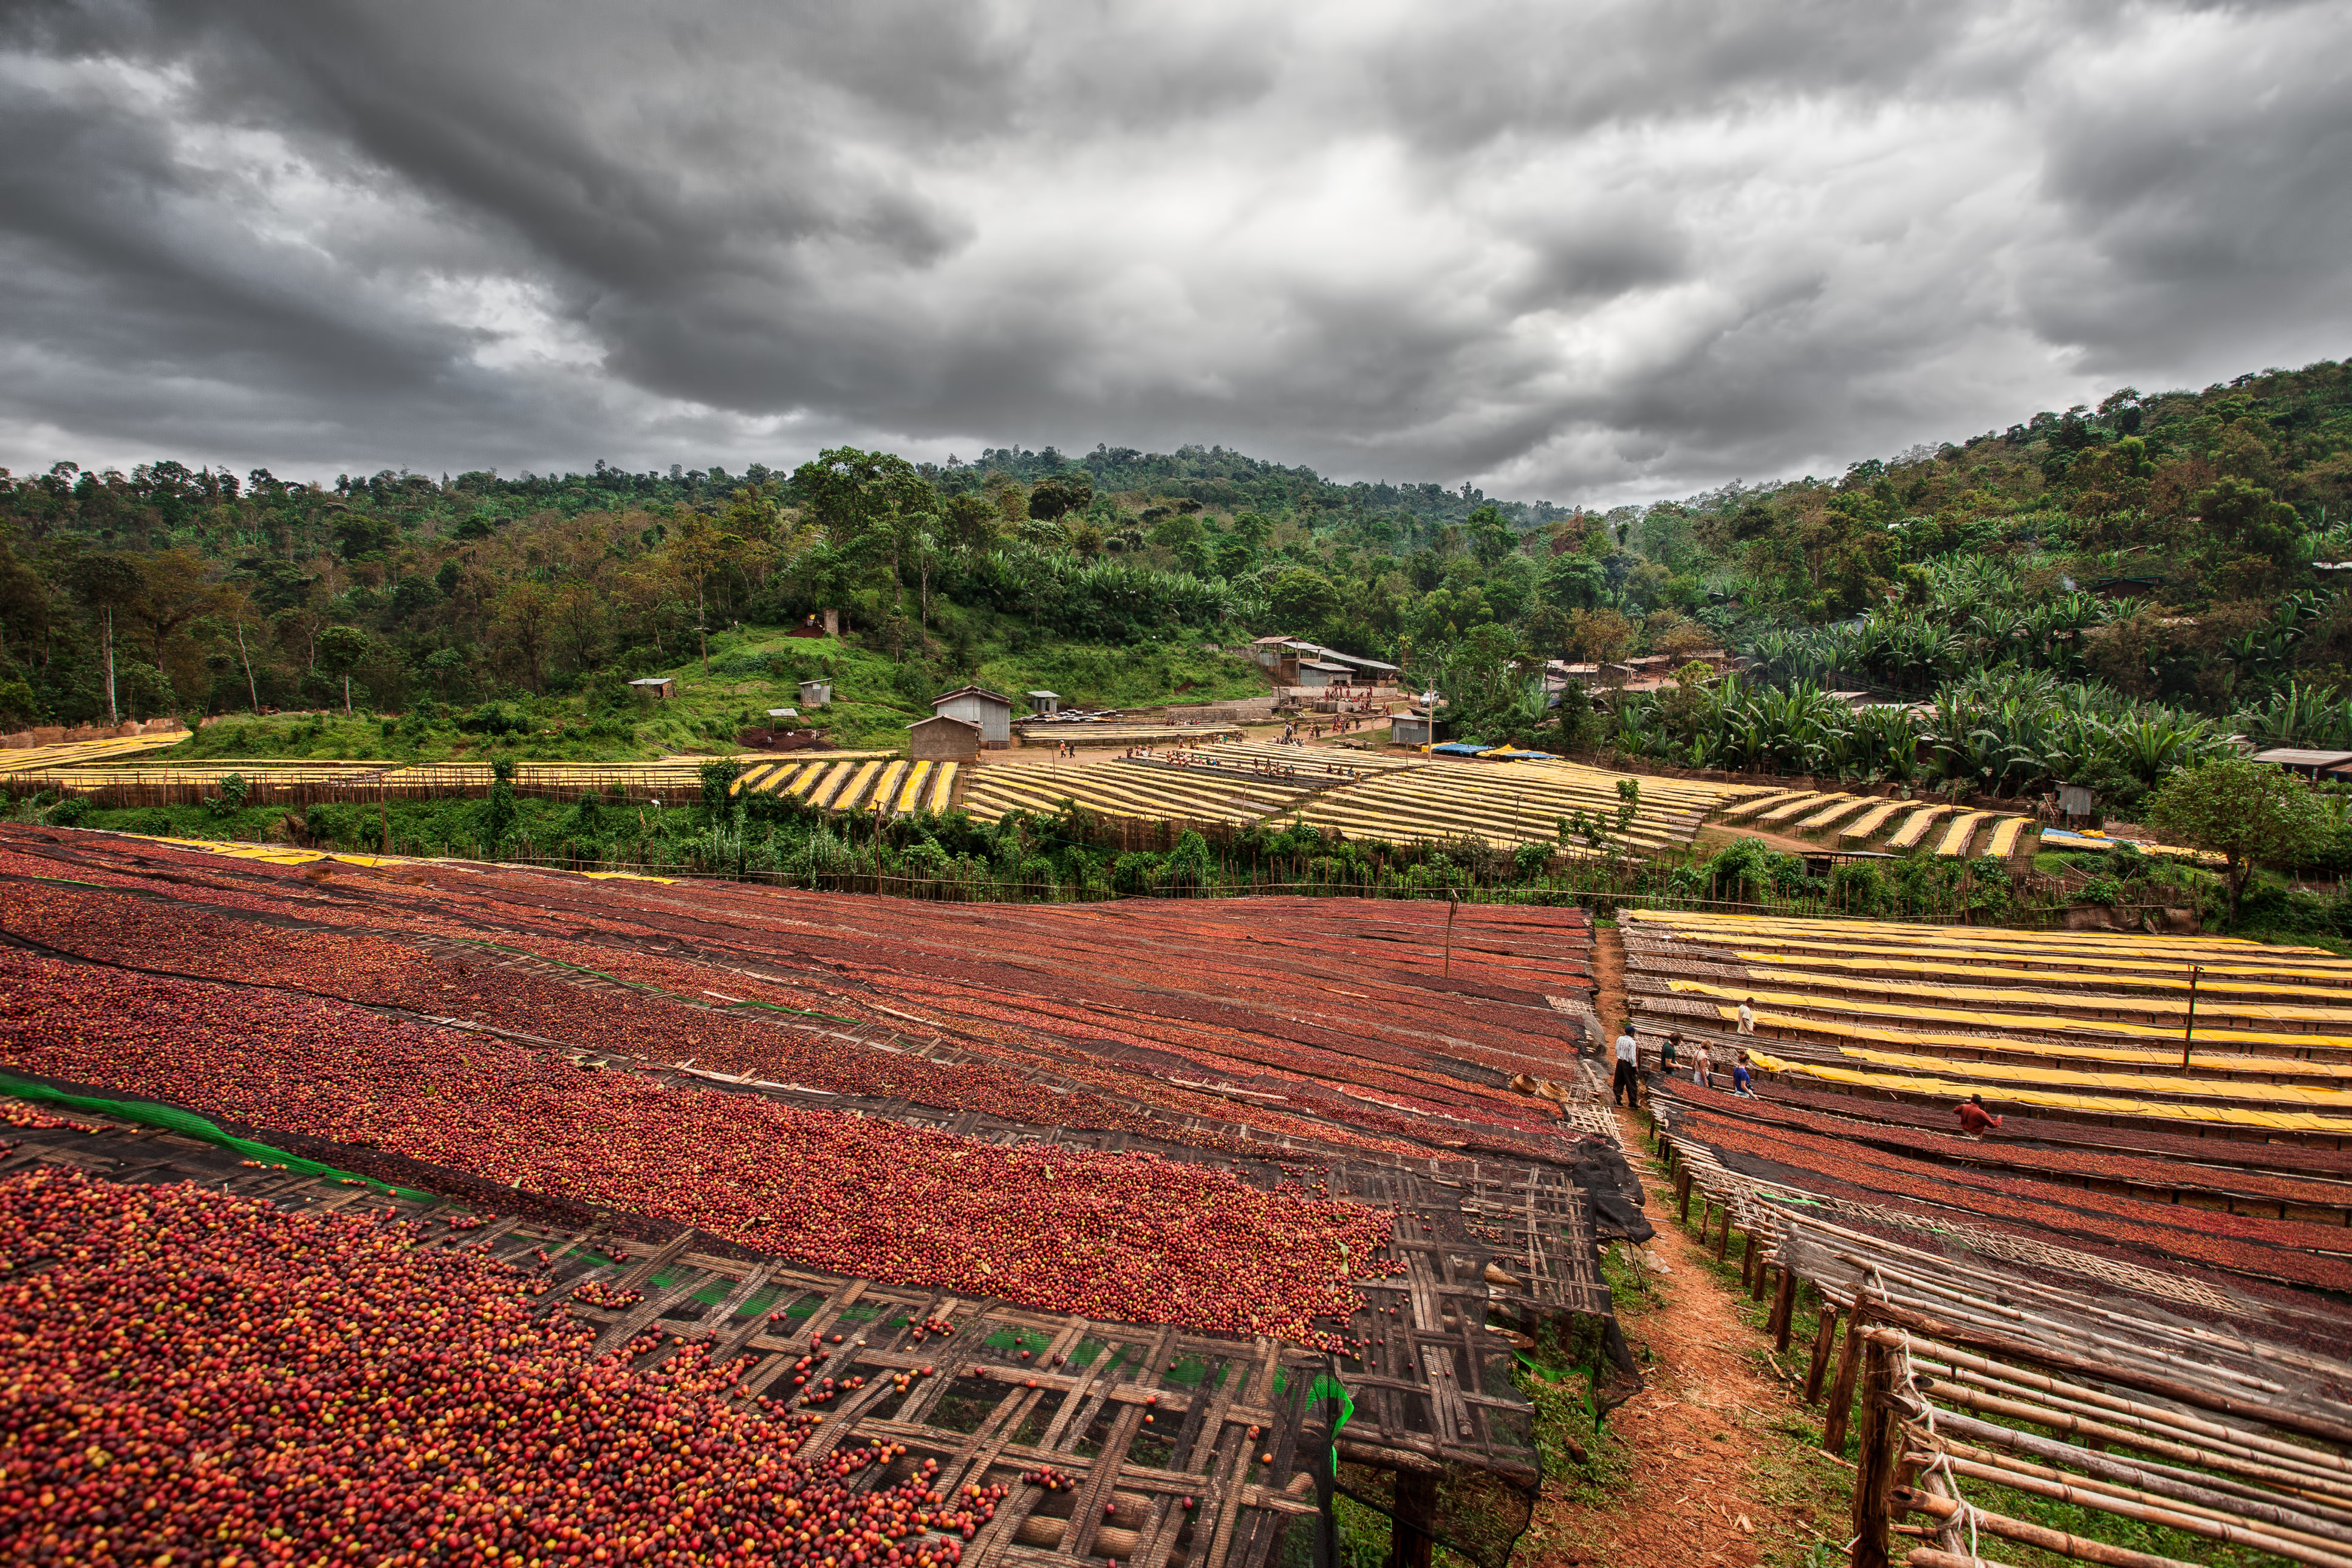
[(1625, 1087), (1670, 1054), (1748, 1016), (1975, 1120), (1741, 1084), (1702, 1068)]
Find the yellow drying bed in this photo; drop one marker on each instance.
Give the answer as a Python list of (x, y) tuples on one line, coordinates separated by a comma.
[(1954, 844), (83, 753), (1868, 825), (1147, 791), (1828, 814), (1996, 1001), (2222, 1115), (286, 854), (2165, 1044), (1772, 800), (1034, 731), (836, 783), (1728, 997), (1318, 761), (2307, 1095), (1788, 811), (2212, 982), (1915, 826), (1725, 928), (1505, 803)]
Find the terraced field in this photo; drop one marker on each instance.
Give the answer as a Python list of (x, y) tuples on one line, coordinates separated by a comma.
[(1364, 795), (1843, 821)]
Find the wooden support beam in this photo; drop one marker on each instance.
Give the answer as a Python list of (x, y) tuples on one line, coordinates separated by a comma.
[(1411, 1543), (1784, 1309), (1874, 1478), (2056, 1541), (1824, 1335), (1842, 1391)]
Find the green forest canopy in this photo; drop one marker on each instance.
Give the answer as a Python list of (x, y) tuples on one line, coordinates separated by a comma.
[(2153, 561)]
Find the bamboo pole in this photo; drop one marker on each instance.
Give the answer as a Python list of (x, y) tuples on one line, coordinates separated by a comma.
[(2110, 1370), (1857, 1333), (2100, 1552), (2059, 1421), (1824, 1336), (1881, 1443), (2136, 1484), (2189, 1030), (2090, 1460), (1935, 1557), (2231, 1443), (2018, 1529)]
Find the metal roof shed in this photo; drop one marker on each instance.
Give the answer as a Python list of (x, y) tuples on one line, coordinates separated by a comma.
[(993, 711), (2304, 761)]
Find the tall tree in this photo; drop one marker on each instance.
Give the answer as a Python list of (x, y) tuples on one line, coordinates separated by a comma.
[(106, 585), (699, 549), (864, 500), (341, 648), (2243, 810)]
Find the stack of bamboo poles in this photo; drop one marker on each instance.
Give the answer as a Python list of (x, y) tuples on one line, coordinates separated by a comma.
[(1947, 1370)]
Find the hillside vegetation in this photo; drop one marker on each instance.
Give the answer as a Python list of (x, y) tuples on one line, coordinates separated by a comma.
[(2095, 595)]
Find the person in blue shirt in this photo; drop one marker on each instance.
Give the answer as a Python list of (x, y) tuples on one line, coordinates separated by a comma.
[(1741, 1083)]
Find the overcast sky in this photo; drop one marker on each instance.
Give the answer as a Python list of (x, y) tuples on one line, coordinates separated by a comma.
[(1582, 252)]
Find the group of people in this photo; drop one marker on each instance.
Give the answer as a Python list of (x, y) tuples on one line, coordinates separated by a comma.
[(1703, 1065)]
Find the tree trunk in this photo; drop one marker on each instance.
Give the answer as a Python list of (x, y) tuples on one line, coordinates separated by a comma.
[(113, 714), (347, 694), (702, 627), (252, 692)]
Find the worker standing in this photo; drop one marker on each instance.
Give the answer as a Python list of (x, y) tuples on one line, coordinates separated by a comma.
[(1625, 1087), (1741, 1084), (1748, 1016), (1670, 1054), (1975, 1120)]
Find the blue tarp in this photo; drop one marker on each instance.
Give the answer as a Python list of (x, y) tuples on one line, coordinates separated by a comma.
[(1459, 748)]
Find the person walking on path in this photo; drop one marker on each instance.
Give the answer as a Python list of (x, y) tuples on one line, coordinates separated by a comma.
[(1670, 1055), (1748, 1016), (1625, 1087), (1741, 1084), (1975, 1120), (1702, 1066)]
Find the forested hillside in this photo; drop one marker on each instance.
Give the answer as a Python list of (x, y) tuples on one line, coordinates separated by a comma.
[(2097, 593)]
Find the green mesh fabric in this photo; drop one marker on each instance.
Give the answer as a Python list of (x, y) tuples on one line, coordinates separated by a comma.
[(186, 1122)]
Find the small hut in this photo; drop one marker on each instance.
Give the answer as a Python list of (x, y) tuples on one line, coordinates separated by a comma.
[(992, 711), (941, 739)]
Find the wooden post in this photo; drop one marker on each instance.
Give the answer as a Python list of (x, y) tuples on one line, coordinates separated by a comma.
[(1824, 1335), (1857, 1324), (1723, 1242), (1683, 1180), (2190, 1030), (1764, 1267), (383, 815), (1411, 1543), (1451, 903), (1873, 1477), (1784, 1309)]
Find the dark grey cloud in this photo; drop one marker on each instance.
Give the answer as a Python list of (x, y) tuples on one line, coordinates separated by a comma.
[(1588, 252)]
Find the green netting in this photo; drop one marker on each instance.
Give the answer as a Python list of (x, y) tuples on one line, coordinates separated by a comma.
[(148, 1113)]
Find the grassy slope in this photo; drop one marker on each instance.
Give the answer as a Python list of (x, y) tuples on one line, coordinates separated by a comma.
[(751, 670)]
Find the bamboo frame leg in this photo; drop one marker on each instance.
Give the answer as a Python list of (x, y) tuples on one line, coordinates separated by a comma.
[(1411, 1545), (1857, 1324), (1784, 1309), (1824, 1336), (1873, 1479), (1723, 1242), (1764, 1268), (1683, 1180)]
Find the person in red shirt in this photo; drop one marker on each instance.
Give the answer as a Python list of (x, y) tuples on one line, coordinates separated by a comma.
[(1975, 1120)]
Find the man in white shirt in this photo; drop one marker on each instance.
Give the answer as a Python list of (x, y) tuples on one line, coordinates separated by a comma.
[(1748, 1016), (1625, 1088)]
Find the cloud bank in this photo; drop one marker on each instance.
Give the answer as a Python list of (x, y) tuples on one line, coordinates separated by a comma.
[(1585, 252)]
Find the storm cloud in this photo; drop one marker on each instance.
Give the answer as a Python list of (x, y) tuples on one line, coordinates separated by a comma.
[(1586, 252)]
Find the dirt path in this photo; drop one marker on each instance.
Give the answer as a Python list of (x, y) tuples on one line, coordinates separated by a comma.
[(1699, 1471), (1608, 977)]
